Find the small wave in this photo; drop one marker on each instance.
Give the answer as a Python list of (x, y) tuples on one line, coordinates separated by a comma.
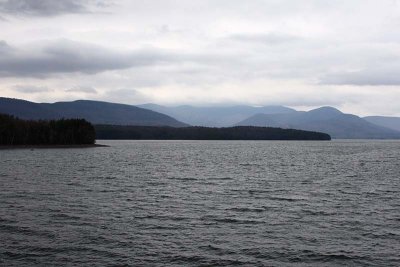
[(258, 191), (65, 216), (164, 227), (348, 192), (220, 178), (319, 257), (230, 220), (19, 255), (386, 235), (211, 247), (87, 249), (186, 258), (302, 256), (4, 220), (183, 178), (203, 260), (24, 230), (317, 213), (289, 199), (74, 184), (246, 209), (249, 164)]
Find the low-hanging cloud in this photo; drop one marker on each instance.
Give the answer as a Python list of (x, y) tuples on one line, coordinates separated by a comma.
[(30, 89), (82, 89), (266, 39), (388, 76), (4, 47), (47, 7), (65, 56)]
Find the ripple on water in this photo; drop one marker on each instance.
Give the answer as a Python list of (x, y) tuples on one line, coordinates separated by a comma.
[(202, 203)]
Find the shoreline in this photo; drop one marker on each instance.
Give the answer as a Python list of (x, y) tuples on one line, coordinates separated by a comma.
[(8, 147)]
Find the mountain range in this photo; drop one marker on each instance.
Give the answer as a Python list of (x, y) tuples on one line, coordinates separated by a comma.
[(96, 112), (325, 119), (215, 116)]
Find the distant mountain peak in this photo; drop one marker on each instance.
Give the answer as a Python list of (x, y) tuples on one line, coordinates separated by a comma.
[(327, 110), (325, 119)]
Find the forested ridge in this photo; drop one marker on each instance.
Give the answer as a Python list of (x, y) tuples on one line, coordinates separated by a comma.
[(204, 133), (95, 112), (14, 131)]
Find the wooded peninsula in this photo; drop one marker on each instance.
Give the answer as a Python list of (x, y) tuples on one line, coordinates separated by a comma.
[(17, 132)]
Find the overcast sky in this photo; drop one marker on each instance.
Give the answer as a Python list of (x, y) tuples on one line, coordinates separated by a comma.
[(302, 54)]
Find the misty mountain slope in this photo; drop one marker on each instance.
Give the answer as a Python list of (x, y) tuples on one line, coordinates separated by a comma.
[(215, 116), (388, 122), (26, 110), (109, 113), (325, 119), (96, 112)]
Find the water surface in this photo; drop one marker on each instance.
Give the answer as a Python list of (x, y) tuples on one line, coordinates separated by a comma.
[(202, 203)]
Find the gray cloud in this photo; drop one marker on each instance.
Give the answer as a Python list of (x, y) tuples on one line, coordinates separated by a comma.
[(4, 47), (206, 51), (211, 67), (47, 7), (72, 57), (65, 56), (367, 77), (267, 39), (30, 89), (82, 89), (125, 95)]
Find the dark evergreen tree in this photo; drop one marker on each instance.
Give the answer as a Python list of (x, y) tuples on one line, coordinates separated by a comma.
[(14, 131)]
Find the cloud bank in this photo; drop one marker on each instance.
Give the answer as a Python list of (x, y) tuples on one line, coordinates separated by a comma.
[(64, 56), (298, 53), (46, 8)]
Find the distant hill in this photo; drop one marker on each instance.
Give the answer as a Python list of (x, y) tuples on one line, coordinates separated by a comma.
[(96, 112), (325, 119), (215, 116), (26, 110), (388, 122)]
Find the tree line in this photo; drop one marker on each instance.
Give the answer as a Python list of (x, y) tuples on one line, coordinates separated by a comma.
[(204, 133), (15, 131)]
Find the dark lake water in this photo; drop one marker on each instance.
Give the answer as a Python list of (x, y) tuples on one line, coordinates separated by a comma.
[(202, 203)]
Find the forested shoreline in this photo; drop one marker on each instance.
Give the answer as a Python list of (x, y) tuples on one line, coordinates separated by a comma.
[(204, 133), (18, 132)]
